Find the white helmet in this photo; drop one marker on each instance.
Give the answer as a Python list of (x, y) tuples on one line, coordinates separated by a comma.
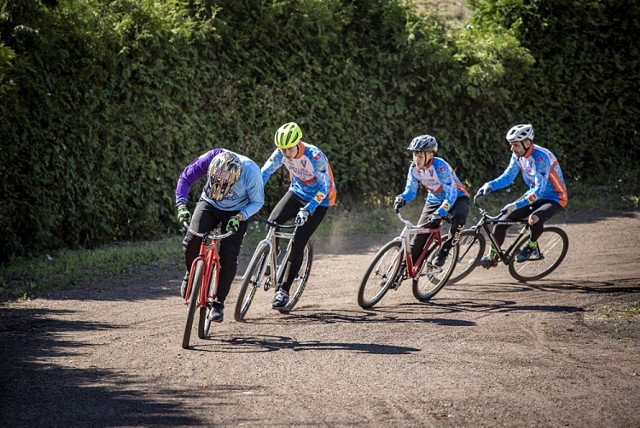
[(520, 133)]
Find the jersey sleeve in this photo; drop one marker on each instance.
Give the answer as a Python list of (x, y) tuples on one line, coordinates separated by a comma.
[(255, 190), (411, 186), (541, 178), (271, 165), (507, 177), (321, 167), (192, 173), (448, 187)]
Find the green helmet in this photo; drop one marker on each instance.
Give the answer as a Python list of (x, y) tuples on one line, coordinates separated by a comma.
[(288, 135)]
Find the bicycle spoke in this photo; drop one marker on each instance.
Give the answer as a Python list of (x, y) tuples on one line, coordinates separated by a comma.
[(380, 275)]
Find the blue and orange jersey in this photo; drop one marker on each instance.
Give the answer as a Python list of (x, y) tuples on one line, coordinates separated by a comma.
[(310, 173), (440, 180), (540, 171)]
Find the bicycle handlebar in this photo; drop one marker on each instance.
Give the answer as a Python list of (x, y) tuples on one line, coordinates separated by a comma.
[(274, 224), (407, 223), (483, 211), (208, 234)]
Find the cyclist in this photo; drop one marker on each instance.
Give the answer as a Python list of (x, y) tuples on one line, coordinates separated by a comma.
[(446, 195), (311, 193), (546, 196), (233, 193)]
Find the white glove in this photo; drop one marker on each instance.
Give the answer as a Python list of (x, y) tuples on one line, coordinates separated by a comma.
[(302, 217), (484, 190), (508, 209)]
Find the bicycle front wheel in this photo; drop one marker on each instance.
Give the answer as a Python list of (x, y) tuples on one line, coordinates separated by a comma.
[(251, 281), (380, 274), (298, 284), (471, 247), (553, 245), (193, 302), (205, 322), (431, 278)]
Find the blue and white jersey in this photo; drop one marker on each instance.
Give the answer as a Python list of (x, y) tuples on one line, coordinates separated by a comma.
[(440, 180), (540, 171), (310, 173)]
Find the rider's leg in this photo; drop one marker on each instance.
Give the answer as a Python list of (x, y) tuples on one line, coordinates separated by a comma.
[(543, 211), (418, 241), (286, 209), (229, 252), (459, 213), (499, 233), (300, 238)]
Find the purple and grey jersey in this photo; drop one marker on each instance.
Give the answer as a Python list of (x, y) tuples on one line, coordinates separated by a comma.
[(246, 195)]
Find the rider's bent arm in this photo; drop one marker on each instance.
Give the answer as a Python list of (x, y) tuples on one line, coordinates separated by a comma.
[(507, 177), (324, 185), (411, 187), (450, 191), (192, 173), (271, 165), (255, 190), (536, 189)]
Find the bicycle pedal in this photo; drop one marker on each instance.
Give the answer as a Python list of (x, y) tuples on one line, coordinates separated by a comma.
[(283, 311)]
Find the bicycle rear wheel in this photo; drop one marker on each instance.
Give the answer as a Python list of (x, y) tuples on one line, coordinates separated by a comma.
[(553, 245), (193, 302), (431, 279), (300, 282), (380, 274), (251, 281), (471, 247)]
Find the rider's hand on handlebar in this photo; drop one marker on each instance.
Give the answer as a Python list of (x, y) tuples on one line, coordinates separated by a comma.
[(434, 221), (184, 216), (302, 217), (484, 190), (233, 223), (398, 203)]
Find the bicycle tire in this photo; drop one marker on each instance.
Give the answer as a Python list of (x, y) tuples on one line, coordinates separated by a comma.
[(553, 245), (425, 290), (380, 274), (300, 282), (205, 322), (471, 247), (193, 303), (250, 281)]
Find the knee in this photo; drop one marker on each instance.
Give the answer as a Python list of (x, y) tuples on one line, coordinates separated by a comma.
[(533, 219)]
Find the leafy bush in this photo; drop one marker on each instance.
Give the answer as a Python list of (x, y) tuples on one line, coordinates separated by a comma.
[(103, 102)]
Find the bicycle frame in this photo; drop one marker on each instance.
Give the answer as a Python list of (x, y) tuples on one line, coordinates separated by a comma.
[(409, 231), (209, 255), (271, 241), (505, 255)]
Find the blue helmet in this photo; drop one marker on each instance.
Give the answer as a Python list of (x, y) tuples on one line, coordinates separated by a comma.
[(423, 143)]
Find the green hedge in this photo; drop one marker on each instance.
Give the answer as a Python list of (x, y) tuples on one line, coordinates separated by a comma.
[(103, 102)]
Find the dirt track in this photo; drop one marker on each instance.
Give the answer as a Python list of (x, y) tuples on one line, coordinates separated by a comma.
[(485, 352)]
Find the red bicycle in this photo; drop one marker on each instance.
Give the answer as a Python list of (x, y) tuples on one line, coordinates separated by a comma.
[(203, 283), (393, 264)]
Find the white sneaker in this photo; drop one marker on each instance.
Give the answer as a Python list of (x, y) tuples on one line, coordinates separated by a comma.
[(280, 299)]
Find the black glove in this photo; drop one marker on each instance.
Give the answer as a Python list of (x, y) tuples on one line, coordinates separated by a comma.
[(434, 221), (398, 203)]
